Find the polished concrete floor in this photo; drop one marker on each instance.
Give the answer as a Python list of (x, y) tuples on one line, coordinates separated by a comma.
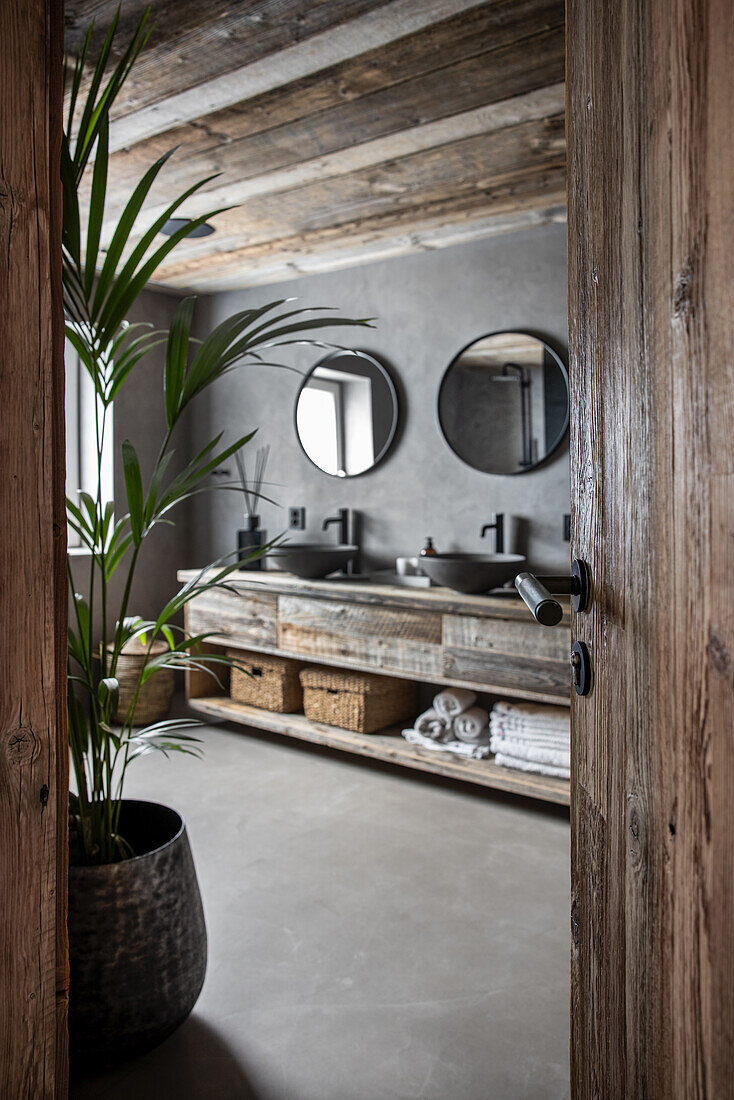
[(373, 935)]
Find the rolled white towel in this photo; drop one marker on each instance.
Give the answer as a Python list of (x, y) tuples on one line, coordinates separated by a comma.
[(472, 726), (453, 701), (540, 754), (505, 761), (430, 724)]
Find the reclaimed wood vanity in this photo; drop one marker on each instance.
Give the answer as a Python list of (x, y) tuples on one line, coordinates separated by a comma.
[(427, 635)]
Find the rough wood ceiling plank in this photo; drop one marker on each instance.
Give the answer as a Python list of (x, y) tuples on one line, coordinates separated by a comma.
[(483, 56), (467, 167), (533, 199), (366, 248), (275, 42), (414, 117), (534, 106), (193, 43)]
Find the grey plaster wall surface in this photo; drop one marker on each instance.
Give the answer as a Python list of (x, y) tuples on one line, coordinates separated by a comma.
[(427, 307), (139, 415)]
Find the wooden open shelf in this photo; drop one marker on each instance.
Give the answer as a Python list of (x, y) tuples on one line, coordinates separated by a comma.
[(489, 644), (388, 746)]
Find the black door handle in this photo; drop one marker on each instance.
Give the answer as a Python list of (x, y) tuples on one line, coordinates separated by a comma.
[(536, 592)]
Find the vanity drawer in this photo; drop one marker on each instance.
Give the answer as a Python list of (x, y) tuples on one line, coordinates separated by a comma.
[(505, 654), (246, 620), (370, 637)]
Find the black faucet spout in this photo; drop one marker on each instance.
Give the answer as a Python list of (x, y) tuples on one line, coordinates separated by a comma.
[(498, 526), (342, 519), (348, 526)]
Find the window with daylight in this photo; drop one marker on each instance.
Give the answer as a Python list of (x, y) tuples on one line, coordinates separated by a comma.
[(320, 421), (82, 413)]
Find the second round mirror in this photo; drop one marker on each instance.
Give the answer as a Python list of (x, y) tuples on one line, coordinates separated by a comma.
[(503, 403)]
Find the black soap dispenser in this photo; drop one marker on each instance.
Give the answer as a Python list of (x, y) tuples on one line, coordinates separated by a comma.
[(429, 550)]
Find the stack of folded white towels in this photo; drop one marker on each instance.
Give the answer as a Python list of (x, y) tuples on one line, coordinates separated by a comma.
[(452, 724), (531, 737)]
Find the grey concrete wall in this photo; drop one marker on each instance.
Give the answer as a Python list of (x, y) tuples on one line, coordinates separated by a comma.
[(427, 307), (139, 416)]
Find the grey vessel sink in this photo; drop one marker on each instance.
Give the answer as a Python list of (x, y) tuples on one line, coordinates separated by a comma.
[(473, 574), (311, 560)]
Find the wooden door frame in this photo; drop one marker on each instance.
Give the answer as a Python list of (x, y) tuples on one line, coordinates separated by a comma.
[(650, 112), (650, 93), (33, 590)]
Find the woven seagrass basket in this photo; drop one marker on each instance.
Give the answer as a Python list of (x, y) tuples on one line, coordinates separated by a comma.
[(155, 696), (358, 701), (270, 683)]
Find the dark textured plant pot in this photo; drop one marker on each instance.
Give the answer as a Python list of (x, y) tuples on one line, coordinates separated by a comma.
[(137, 940)]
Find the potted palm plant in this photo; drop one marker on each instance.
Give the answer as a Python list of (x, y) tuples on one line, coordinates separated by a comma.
[(136, 926)]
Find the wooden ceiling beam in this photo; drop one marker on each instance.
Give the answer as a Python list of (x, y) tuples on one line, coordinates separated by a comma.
[(447, 172), (498, 207), (344, 131), (352, 252), (532, 107), (193, 42), (169, 95), (486, 54)]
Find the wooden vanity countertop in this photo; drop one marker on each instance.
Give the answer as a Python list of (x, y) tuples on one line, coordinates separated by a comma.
[(435, 598)]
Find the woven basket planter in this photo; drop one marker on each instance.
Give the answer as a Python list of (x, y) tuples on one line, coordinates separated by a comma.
[(358, 701), (270, 683), (154, 700)]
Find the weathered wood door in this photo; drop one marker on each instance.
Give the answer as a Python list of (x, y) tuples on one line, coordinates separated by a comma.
[(33, 753), (650, 118)]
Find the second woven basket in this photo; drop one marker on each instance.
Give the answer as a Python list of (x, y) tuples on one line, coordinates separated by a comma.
[(358, 701)]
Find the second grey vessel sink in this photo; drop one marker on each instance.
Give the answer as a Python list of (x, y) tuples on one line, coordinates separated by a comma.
[(473, 574)]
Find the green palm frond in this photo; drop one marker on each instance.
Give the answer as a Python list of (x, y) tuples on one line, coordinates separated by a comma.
[(105, 269)]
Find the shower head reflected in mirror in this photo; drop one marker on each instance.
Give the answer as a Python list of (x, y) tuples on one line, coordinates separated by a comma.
[(504, 429)]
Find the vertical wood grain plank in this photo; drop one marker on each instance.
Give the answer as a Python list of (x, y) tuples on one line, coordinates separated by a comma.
[(651, 232), (597, 956), (33, 752), (57, 386)]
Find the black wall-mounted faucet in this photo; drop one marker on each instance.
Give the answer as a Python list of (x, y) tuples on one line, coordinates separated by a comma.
[(498, 526), (347, 522), (342, 518)]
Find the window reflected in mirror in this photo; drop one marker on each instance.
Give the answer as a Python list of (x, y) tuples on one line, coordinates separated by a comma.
[(346, 413)]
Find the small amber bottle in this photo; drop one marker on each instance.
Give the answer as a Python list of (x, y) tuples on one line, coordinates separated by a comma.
[(428, 550)]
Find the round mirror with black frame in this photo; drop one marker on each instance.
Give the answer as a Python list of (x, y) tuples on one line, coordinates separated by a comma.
[(346, 413), (503, 403)]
